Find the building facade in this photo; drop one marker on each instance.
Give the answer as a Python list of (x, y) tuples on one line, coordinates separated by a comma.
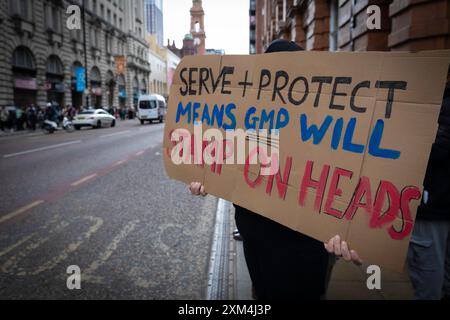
[(172, 61), (252, 22), (407, 25), (154, 19), (42, 60), (158, 63)]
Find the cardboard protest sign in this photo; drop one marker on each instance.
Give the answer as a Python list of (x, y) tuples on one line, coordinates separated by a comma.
[(334, 143)]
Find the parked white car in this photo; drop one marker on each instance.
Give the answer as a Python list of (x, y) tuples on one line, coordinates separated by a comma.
[(94, 118)]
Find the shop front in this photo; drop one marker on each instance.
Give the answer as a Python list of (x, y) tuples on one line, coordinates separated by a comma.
[(96, 88), (78, 84), (110, 86), (54, 83), (135, 92), (24, 77), (122, 91)]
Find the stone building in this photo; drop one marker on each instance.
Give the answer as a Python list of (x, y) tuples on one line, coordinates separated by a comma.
[(341, 24), (40, 56)]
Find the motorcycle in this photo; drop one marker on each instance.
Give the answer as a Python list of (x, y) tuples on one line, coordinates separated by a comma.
[(51, 126)]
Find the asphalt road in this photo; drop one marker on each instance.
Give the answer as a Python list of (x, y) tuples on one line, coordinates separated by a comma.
[(99, 200)]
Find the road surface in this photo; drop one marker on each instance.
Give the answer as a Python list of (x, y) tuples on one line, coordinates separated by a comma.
[(100, 200)]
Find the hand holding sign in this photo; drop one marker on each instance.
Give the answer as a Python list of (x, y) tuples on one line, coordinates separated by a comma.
[(340, 248)]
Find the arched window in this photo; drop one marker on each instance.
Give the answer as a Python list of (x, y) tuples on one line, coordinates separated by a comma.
[(110, 78), (95, 75), (54, 65), (23, 58)]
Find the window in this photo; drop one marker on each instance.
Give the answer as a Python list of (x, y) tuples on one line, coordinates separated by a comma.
[(108, 43), (56, 26), (23, 58), (147, 105), (55, 66), (94, 6), (21, 8), (24, 8), (95, 37)]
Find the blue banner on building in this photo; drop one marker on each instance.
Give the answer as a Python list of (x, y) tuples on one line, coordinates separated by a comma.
[(122, 93), (80, 79)]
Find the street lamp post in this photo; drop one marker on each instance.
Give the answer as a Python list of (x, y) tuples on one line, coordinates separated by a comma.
[(85, 55)]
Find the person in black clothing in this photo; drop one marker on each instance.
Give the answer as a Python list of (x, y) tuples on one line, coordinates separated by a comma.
[(283, 263), (429, 249)]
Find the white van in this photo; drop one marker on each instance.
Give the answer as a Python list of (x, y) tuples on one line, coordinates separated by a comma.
[(151, 107)]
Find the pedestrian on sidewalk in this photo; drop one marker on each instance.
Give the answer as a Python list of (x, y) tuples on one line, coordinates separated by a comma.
[(429, 248), (12, 119), (32, 117), (21, 120), (3, 118), (283, 263), (40, 117)]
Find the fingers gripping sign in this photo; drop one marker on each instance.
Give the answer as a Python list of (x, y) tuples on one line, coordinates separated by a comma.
[(341, 249), (197, 189)]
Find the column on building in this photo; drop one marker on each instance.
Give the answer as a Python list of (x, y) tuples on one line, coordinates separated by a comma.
[(54, 81), (95, 85)]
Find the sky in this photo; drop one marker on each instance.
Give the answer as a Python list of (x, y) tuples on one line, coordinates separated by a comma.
[(226, 23)]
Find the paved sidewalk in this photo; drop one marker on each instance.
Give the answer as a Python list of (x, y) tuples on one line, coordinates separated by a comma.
[(348, 281)]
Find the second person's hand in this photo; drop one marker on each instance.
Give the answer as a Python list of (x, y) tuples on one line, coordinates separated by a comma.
[(197, 189)]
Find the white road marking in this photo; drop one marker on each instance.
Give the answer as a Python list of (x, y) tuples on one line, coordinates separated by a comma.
[(26, 238), (114, 134), (50, 264), (77, 183), (11, 265), (118, 163), (15, 245), (19, 211), (41, 149), (140, 153), (111, 248)]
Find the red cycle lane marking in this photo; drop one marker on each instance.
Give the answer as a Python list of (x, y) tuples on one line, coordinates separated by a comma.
[(58, 192)]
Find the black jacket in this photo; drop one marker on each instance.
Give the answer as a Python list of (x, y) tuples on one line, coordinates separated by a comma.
[(437, 178)]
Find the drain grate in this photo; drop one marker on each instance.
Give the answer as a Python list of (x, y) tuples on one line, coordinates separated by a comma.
[(218, 273)]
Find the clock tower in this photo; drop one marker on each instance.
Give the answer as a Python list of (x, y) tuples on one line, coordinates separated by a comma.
[(198, 26)]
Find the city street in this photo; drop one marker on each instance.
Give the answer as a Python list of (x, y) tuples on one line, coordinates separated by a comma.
[(99, 199)]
